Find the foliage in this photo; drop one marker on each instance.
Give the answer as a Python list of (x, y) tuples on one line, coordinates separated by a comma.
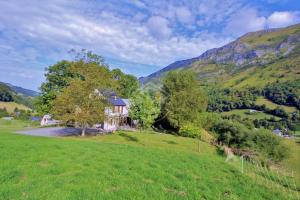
[(3, 112), (21, 114), (128, 84), (182, 98), (261, 141), (270, 145), (5, 93), (24, 100), (82, 101), (285, 93), (144, 109), (88, 57), (190, 130), (228, 99), (207, 120), (57, 78)]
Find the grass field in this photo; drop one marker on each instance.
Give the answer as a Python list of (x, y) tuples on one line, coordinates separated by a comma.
[(269, 104), (10, 106), (243, 114), (124, 165)]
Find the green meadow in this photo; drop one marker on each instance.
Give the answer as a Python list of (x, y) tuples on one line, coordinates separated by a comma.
[(269, 104), (124, 165), (243, 113)]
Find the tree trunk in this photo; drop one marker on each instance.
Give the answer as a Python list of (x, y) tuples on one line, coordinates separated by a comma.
[(83, 131)]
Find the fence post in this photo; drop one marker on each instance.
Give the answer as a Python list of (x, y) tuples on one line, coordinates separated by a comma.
[(242, 157)]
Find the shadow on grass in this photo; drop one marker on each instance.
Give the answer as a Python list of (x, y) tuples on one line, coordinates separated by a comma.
[(129, 137), (170, 142)]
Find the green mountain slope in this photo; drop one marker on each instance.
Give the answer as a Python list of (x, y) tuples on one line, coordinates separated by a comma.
[(15, 96), (254, 59)]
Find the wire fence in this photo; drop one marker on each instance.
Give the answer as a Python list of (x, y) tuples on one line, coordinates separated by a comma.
[(274, 178)]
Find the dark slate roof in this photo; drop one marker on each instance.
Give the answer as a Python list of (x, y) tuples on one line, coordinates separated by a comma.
[(116, 101)]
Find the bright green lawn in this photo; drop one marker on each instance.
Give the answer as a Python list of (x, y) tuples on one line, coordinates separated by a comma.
[(243, 114), (121, 166), (269, 104)]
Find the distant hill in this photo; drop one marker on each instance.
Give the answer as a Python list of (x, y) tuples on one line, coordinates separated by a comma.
[(22, 91), (254, 59), (10, 94)]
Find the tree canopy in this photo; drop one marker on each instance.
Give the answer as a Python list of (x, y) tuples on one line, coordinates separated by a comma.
[(144, 109), (182, 98), (82, 101), (59, 75), (128, 84)]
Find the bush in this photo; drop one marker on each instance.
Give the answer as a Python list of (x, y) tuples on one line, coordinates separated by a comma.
[(270, 145), (262, 141), (207, 120), (3, 112), (232, 134), (190, 130)]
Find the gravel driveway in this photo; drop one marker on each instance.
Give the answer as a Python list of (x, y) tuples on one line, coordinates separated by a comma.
[(55, 131)]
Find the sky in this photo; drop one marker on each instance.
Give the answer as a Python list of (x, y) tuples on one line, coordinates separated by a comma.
[(137, 36)]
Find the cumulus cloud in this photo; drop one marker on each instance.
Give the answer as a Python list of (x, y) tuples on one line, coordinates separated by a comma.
[(184, 15), (249, 19), (159, 27), (281, 19), (245, 20), (139, 36)]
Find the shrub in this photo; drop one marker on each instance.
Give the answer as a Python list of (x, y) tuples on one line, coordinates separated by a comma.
[(3, 112), (232, 134), (270, 145), (190, 130), (207, 120), (262, 141)]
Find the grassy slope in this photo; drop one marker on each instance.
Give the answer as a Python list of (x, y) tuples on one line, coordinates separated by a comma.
[(294, 159), (243, 114), (121, 166), (10, 106), (282, 70), (269, 104)]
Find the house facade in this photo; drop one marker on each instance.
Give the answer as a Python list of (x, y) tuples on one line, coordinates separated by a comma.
[(116, 115)]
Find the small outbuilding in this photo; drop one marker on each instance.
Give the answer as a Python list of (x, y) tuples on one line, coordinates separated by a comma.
[(48, 121)]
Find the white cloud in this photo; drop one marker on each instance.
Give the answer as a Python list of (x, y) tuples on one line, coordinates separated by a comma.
[(159, 27), (245, 20), (184, 15), (282, 19), (140, 33)]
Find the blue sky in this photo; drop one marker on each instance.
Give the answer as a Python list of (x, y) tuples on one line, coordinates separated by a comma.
[(138, 36)]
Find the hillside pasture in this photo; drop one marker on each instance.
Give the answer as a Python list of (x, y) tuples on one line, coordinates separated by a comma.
[(10, 106), (124, 165), (244, 113), (269, 104)]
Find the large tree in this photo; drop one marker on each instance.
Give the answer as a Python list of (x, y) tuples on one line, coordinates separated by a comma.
[(57, 78), (182, 98), (82, 101), (144, 109), (128, 84)]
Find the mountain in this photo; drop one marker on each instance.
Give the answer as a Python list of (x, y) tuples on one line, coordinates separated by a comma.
[(252, 60), (17, 95), (22, 91)]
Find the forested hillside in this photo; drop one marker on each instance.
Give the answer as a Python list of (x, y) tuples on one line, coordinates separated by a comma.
[(8, 94)]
